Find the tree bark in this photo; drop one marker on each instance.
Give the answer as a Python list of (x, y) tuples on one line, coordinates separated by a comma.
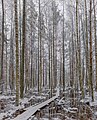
[(23, 50), (17, 51)]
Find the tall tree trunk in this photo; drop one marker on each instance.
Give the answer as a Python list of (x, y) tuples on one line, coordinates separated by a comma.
[(20, 38), (63, 53), (95, 40), (11, 63), (60, 82), (53, 47), (87, 54), (72, 66), (78, 49), (91, 77), (43, 67), (83, 71), (38, 56), (26, 83), (17, 53), (40, 70), (2, 52), (6, 58), (39, 51), (6, 65), (31, 58), (49, 46), (23, 51), (51, 77)]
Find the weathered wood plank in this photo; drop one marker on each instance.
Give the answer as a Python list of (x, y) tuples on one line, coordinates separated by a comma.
[(31, 110)]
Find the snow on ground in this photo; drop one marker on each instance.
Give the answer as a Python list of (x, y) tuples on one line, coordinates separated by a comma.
[(44, 118), (10, 109), (1, 115), (95, 113), (6, 97), (31, 110), (93, 103), (56, 119)]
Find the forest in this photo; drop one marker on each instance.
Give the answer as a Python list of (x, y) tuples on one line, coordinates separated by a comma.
[(48, 60)]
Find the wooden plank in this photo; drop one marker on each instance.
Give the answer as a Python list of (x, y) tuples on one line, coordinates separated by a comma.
[(31, 110)]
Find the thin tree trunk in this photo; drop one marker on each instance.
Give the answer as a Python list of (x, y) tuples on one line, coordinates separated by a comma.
[(95, 40), (86, 35), (2, 52), (91, 75), (20, 38), (17, 55), (23, 50), (63, 53)]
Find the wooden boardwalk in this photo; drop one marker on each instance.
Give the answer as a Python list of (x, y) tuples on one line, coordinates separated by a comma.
[(32, 110)]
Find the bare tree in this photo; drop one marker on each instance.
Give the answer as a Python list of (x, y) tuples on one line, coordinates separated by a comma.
[(17, 51)]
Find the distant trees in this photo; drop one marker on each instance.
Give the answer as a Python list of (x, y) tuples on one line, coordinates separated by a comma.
[(81, 63)]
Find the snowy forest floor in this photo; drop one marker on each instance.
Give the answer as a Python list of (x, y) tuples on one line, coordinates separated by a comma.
[(59, 109)]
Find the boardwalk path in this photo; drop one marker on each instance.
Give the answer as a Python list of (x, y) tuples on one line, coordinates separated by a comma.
[(31, 110)]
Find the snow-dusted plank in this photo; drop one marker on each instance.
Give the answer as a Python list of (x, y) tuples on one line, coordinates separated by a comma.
[(31, 110)]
